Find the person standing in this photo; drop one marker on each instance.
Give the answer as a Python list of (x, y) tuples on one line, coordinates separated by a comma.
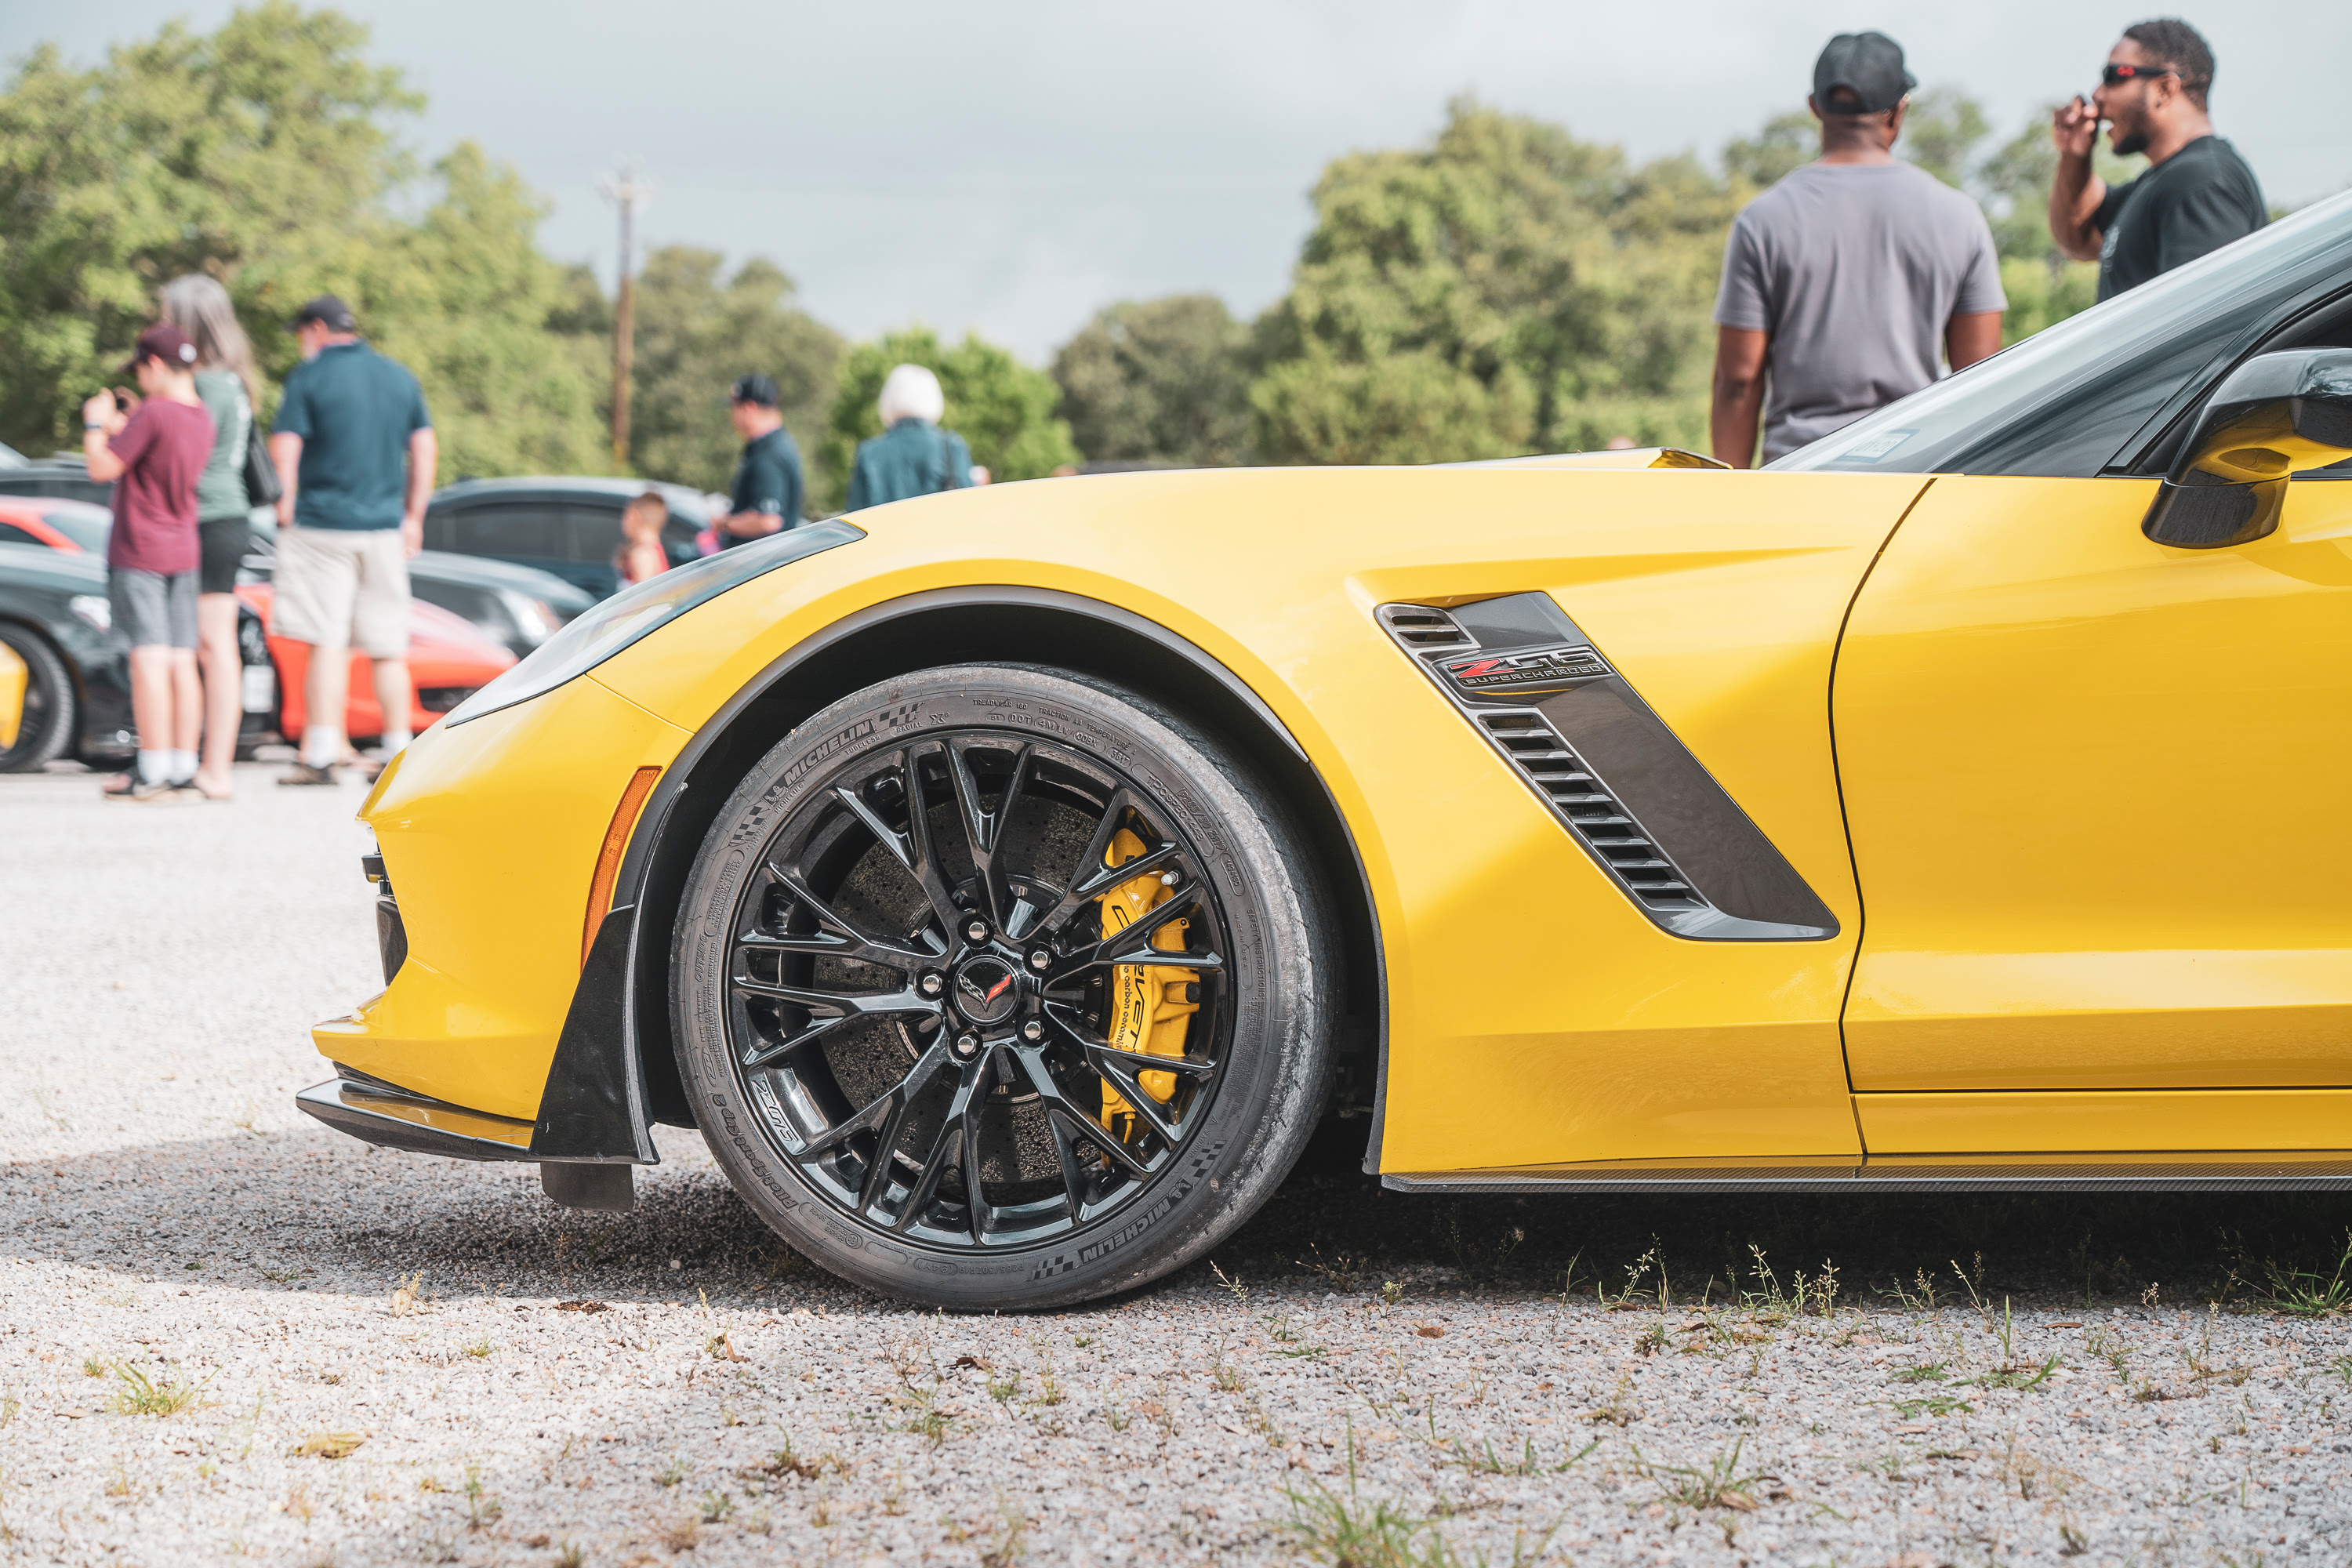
[(152, 456), (230, 391), (767, 489), (2198, 193), (355, 452), (1849, 282), (640, 554), (912, 457)]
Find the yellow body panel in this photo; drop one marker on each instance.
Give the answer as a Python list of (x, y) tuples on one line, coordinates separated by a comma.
[(1535, 1013), (2098, 851), (2096, 789), (2117, 1120), (489, 833)]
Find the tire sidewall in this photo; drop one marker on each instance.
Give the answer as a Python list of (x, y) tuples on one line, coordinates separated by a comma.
[(1277, 1059)]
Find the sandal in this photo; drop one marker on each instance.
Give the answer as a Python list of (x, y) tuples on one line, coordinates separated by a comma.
[(304, 774)]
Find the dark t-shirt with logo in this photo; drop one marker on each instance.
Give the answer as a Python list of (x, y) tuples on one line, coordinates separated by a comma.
[(163, 448), (2196, 201)]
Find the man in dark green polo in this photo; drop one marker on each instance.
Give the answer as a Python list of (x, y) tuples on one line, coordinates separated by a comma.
[(766, 494), (912, 457)]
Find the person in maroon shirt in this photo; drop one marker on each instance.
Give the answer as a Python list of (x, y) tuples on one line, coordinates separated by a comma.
[(153, 456)]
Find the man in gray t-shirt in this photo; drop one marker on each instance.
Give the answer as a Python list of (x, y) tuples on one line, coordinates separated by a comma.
[(1847, 283)]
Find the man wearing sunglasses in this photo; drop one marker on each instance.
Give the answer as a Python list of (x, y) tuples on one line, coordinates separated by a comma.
[(2198, 193)]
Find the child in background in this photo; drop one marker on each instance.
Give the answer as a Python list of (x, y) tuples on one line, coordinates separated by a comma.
[(641, 555)]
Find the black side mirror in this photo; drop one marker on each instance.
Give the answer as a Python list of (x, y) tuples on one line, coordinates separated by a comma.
[(2273, 416)]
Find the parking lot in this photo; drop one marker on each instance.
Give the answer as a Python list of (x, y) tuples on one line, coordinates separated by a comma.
[(228, 1333)]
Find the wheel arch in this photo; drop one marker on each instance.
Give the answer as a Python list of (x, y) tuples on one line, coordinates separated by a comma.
[(992, 625)]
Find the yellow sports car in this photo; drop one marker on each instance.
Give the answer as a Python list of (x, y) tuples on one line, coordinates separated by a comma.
[(1007, 882)]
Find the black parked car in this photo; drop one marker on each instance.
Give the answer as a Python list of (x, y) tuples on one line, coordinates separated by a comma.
[(507, 597), (54, 615), (520, 606), (571, 527), (65, 475)]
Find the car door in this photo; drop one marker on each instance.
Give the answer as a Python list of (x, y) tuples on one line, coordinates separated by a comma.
[(526, 531), (591, 535), (2094, 789)]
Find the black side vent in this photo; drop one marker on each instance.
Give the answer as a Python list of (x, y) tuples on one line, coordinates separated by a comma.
[(1619, 781), (1424, 629), (1615, 839)]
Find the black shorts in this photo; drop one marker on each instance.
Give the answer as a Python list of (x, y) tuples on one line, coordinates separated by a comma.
[(225, 542)]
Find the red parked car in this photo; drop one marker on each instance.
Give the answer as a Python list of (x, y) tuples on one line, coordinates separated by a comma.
[(449, 657), (447, 660)]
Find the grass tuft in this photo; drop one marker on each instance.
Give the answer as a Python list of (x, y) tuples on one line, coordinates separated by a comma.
[(143, 1396)]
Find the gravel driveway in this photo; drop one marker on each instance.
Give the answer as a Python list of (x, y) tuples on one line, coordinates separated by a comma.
[(226, 1333)]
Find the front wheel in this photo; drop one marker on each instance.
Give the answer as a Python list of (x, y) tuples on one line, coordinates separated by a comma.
[(1002, 987)]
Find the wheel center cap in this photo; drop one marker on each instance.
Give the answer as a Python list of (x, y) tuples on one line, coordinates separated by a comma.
[(987, 989)]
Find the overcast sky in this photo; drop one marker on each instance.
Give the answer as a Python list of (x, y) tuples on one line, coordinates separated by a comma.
[(1011, 167)]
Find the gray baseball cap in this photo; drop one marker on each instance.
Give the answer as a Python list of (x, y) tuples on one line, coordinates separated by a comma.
[(1868, 65)]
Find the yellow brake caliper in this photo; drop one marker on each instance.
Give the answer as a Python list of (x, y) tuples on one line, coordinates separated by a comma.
[(1149, 1012)]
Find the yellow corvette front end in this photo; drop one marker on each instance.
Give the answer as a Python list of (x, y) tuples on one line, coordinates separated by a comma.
[(1006, 883), (1635, 1044)]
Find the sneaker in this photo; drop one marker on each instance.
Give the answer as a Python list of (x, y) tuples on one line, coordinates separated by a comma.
[(304, 774)]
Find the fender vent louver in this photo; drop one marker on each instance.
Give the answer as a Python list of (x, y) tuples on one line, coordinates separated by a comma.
[(1615, 839), (1433, 631), (1616, 777)]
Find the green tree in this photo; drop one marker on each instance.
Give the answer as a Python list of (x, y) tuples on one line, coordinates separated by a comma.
[(1507, 289), (464, 298), (265, 152), (1940, 134), (260, 153), (697, 331), (1004, 408), (1786, 141), (1162, 380)]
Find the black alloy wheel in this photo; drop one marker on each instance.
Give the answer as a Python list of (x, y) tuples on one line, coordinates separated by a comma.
[(998, 975)]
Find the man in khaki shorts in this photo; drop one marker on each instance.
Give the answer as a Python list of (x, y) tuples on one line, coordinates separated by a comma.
[(355, 451)]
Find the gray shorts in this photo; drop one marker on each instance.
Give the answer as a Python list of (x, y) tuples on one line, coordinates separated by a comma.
[(153, 609)]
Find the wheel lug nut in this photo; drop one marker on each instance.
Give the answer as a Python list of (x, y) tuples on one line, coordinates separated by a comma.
[(1033, 1031), (966, 1043), (1040, 958), (932, 984), (975, 930), (1170, 879)]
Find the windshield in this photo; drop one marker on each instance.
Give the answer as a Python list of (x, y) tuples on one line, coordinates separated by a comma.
[(2067, 400)]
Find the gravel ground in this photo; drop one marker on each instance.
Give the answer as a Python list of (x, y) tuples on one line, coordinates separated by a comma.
[(511, 1383)]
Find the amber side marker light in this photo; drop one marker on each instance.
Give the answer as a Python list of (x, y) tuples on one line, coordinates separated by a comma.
[(608, 859)]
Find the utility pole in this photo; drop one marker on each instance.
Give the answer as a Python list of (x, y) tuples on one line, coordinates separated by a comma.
[(624, 189)]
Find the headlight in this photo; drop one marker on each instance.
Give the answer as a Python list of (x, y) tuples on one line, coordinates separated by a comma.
[(93, 609), (598, 633), (534, 616)]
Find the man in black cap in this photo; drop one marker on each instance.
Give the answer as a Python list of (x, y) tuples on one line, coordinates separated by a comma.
[(766, 494), (1850, 282), (355, 453), (2198, 193)]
